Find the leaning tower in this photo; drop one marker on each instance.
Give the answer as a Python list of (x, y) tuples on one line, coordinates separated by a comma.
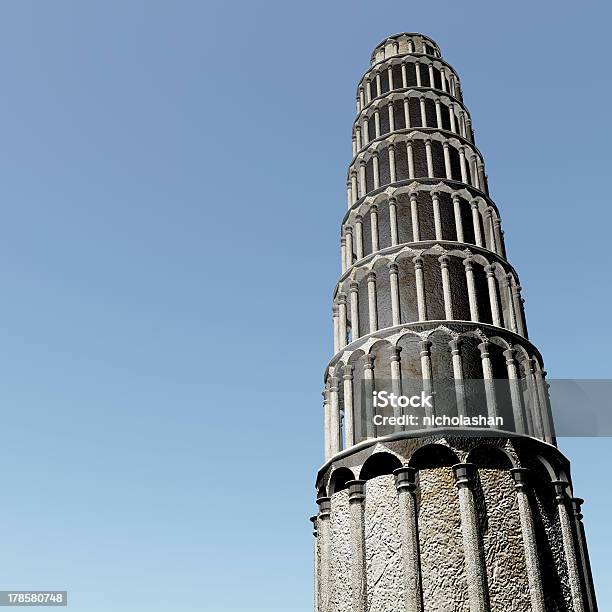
[(468, 506)]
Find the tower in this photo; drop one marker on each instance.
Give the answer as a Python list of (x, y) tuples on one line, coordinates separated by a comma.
[(467, 505)]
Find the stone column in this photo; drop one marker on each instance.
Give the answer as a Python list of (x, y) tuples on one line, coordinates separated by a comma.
[(567, 534), (410, 159), (349, 415), (404, 77), (348, 230), (474, 564), (511, 323), (549, 428), (489, 381), (499, 238), (369, 90), (468, 129), (343, 254), (474, 172), (354, 187), (407, 112), (361, 97), (349, 194), (411, 562), (342, 320), (376, 123), (393, 220), (423, 111), (538, 411), (358, 139), (366, 130), (426, 373), (359, 237), (390, 77), (458, 220), (448, 169), (435, 200), (414, 214), (334, 434), (354, 297), (354, 145), (471, 287), (482, 177), (362, 179), (438, 114), (443, 79), (391, 117), (446, 288), (476, 223), (420, 288), (376, 170), (372, 307), (532, 562), (378, 85), (317, 565), (453, 125), (518, 310), (455, 346), (327, 425), (395, 295), (417, 66), (392, 169), (430, 168), (324, 539), (396, 381), (492, 283), (515, 393), (489, 223), (431, 76), (368, 378), (336, 328), (464, 176), (358, 549), (584, 554), (374, 227)]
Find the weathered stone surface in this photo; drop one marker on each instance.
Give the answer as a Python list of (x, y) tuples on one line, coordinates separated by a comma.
[(383, 546), (340, 554)]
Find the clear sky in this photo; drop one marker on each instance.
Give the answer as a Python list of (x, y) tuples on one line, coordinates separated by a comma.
[(172, 178)]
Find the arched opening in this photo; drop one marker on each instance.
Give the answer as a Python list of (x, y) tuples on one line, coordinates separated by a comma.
[(433, 456), (339, 479), (379, 464)]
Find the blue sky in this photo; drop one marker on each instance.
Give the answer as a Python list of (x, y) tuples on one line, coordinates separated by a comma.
[(172, 178)]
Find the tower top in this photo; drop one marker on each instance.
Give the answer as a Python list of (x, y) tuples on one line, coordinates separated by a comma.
[(404, 42)]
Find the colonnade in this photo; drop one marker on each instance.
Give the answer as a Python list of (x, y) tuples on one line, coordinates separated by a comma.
[(348, 421), (502, 293), (477, 578), (423, 155), (395, 112)]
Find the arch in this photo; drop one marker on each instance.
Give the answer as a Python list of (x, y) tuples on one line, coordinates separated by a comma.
[(339, 479), (489, 456), (433, 456), (379, 464)]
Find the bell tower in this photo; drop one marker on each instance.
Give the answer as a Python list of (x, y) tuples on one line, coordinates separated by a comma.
[(461, 502)]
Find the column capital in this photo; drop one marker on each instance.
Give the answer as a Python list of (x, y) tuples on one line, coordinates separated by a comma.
[(324, 504), (456, 197), (577, 507), (395, 354), (392, 199), (335, 310), (348, 229), (333, 384), (374, 209), (393, 268), (474, 204), (435, 195), (490, 270), (468, 262), (354, 286), (561, 494), (464, 474), (455, 346), (413, 195), (405, 478), (313, 520), (509, 355), (418, 263), (521, 478), (348, 371), (372, 277), (356, 491), (483, 347), (369, 362), (444, 259), (341, 298), (424, 346), (358, 218)]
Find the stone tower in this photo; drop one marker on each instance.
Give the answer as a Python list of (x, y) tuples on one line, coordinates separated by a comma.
[(435, 514)]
